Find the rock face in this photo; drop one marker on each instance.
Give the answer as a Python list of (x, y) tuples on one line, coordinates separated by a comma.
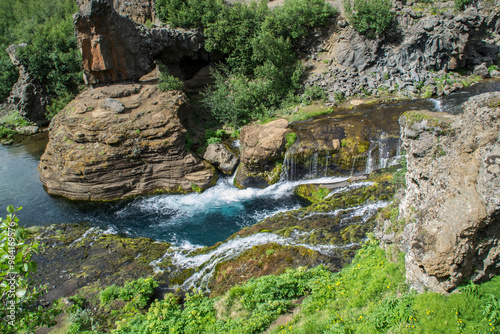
[(262, 147), (119, 141), (222, 158), (140, 11), (412, 59), (452, 202), (115, 48), (27, 95)]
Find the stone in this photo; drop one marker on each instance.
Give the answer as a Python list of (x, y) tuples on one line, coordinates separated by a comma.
[(482, 70), (140, 11), (495, 74), (28, 130), (262, 147), (221, 157), (95, 153), (451, 204), (28, 96)]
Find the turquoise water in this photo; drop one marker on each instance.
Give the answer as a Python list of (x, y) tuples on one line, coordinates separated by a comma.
[(196, 219)]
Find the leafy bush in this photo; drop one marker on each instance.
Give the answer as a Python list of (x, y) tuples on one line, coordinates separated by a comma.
[(369, 17), (260, 47), (51, 55), (19, 308), (461, 4), (167, 81), (188, 13)]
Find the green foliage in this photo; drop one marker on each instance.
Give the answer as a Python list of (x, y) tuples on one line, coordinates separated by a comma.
[(52, 55), (259, 44), (19, 308), (399, 178), (10, 122), (369, 17), (290, 139), (168, 82), (461, 4), (58, 104), (189, 13), (313, 93), (137, 292)]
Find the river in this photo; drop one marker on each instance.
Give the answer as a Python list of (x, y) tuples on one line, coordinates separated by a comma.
[(193, 219)]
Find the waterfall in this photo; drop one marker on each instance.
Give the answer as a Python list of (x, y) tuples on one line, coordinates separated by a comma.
[(369, 158), (437, 104), (206, 264)]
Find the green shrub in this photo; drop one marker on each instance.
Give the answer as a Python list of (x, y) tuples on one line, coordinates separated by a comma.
[(168, 82), (369, 17), (313, 93), (19, 308), (461, 4), (137, 292), (52, 56), (189, 13), (260, 47)]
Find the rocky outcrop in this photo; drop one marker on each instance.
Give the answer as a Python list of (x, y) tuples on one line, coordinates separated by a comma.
[(262, 148), (451, 207), (115, 48), (221, 157), (27, 96), (119, 141), (413, 58), (140, 11)]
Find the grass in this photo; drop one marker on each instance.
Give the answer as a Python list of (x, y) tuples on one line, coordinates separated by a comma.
[(9, 123)]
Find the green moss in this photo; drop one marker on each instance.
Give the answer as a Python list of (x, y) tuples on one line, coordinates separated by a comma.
[(290, 139)]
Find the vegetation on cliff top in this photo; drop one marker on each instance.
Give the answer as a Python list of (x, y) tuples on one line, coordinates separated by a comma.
[(52, 56), (260, 72)]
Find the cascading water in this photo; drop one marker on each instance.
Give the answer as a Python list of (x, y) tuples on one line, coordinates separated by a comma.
[(205, 264)]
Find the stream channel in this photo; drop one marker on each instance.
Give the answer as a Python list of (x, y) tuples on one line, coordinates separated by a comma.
[(212, 216)]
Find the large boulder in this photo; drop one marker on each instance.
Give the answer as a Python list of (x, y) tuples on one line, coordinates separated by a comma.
[(262, 149), (221, 157), (120, 141), (451, 206), (28, 96)]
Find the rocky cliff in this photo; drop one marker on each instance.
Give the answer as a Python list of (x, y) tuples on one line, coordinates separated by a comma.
[(412, 59), (28, 96), (119, 141), (115, 48), (451, 208)]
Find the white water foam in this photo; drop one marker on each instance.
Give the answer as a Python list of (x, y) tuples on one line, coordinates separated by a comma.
[(222, 196), (207, 263)]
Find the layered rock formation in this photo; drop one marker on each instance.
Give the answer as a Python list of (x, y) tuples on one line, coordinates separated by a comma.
[(115, 48), (27, 96), (262, 148), (119, 141), (452, 203)]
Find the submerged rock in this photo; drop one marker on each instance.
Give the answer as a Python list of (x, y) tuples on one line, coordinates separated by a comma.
[(78, 256), (96, 152), (452, 202), (262, 149)]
